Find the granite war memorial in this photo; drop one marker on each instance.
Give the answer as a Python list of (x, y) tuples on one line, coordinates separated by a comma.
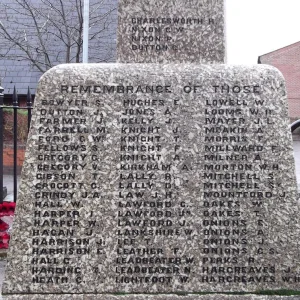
[(144, 181)]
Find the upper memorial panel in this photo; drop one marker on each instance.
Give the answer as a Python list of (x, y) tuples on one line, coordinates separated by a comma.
[(159, 31)]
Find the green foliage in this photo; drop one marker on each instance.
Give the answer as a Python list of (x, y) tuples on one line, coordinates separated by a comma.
[(23, 112)]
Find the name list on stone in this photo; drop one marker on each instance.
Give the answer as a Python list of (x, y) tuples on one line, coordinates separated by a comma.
[(173, 187), (158, 34)]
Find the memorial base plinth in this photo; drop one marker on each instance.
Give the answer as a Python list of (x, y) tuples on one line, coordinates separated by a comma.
[(146, 297)]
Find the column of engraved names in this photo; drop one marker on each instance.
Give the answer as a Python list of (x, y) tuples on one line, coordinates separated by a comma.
[(262, 120), (139, 152), (178, 181), (158, 34), (139, 209), (258, 199), (229, 178), (146, 204), (95, 194), (56, 222)]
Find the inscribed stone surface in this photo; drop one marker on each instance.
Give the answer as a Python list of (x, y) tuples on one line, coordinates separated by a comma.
[(157, 179), (150, 297), (171, 31)]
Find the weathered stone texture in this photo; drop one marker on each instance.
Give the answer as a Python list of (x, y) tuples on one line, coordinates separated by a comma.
[(171, 31), (150, 297), (157, 179)]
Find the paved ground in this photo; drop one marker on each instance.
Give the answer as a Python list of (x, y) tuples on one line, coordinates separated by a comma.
[(8, 182)]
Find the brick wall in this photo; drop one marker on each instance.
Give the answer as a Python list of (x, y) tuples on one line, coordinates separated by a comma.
[(8, 159), (287, 60)]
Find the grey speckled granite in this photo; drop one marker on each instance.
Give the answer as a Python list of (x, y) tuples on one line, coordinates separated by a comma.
[(171, 31), (150, 297), (157, 179)]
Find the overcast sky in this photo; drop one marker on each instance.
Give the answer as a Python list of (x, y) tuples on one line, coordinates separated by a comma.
[(256, 27)]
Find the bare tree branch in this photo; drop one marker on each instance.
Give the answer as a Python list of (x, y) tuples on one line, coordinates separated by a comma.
[(49, 32)]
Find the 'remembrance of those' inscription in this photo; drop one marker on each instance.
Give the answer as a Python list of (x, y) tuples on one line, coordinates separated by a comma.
[(159, 31), (156, 179)]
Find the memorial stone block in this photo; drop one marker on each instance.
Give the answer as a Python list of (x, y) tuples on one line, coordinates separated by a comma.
[(168, 31), (159, 297), (156, 179)]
